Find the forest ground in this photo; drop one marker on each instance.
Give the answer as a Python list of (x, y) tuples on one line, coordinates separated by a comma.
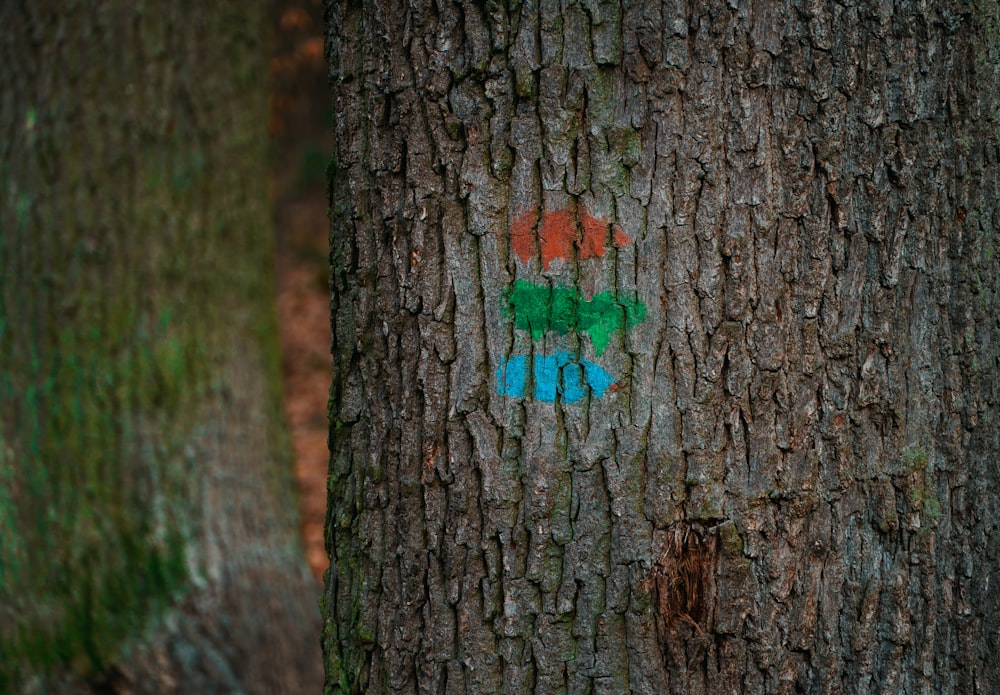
[(302, 141)]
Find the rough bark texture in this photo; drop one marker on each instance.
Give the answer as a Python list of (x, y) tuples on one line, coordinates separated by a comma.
[(791, 484), (147, 527)]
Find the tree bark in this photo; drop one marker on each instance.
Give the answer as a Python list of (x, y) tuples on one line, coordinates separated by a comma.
[(147, 526), (665, 347)]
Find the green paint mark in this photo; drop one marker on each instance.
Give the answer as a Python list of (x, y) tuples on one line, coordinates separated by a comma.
[(539, 308)]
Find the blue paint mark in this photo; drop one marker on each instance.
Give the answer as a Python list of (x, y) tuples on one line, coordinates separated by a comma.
[(553, 374), (512, 376), (547, 376), (573, 387), (598, 379)]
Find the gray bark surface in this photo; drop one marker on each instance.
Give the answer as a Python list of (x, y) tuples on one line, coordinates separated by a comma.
[(793, 486)]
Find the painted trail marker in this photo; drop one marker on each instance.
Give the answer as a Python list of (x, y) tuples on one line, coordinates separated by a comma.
[(540, 308), (563, 235), (558, 234), (553, 374)]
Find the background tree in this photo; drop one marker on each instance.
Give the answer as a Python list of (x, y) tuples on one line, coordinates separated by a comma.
[(665, 347), (143, 461)]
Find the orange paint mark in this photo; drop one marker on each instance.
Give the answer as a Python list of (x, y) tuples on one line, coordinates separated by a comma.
[(522, 235), (620, 238), (556, 236), (559, 233), (595, 231)]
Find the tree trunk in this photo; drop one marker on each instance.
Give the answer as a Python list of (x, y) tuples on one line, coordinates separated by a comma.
[(147, 527), (665, 348)]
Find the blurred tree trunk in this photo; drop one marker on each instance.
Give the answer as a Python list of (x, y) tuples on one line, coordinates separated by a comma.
[(666, 348), (147, 524)]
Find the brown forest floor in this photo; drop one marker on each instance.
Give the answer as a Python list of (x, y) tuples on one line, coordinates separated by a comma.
[(302, 140)]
